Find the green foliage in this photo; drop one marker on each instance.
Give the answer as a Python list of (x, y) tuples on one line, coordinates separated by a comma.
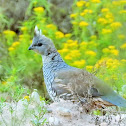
[(4, 21), (38, 117), (24, 111), (96, 42), (97, 112)]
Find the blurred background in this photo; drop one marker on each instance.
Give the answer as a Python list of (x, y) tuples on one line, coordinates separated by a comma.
[(89, 34)]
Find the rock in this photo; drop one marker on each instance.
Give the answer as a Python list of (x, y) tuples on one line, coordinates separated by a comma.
[(61, 10), (103, 124), (49, 110), (54, 121), (63, 111), (17, 14), (21, 108)]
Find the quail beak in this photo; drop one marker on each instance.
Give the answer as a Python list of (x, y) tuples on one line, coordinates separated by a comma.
[(30, 48)]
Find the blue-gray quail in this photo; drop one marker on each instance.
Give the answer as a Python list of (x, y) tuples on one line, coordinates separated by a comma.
[(70, 83)]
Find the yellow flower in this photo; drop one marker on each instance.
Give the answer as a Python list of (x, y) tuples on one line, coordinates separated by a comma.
[(75, 53), (104, 10), (83, 24), (87, 4), (116, 3), (70, 41), (110, 20), (89, 68), (102, 21), (123, 60), (10, 79), (51, 26), (39, 9), (63, 50), (71, 45), (74, 22), (122, 12), (94, 37), (35, 2), (73, 15), (23, 28), (90, 53), (114, 52), (11, 49), (68, 35), (105, 50), (86, 11), (42, 21), (59, 34), (44, 31), (107, 78), (124, 75), (79, 63), (111, 47), (111, 50), (83, 44), (21, 37), (80, 3), (101, 63), (110, 17), (123, 46), (108, 63), (92, 43), (82, 14), (15, 44), (112, 63), (124, 96), (67, 57), (35, 54), (95, 1), (121, 36), (9, 32), (106, 31), (123, 1), (116, 25), (27, 98), (24, 37), (30, 41), (4, 82)]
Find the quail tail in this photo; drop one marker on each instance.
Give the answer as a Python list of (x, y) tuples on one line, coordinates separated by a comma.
[(115, 99)]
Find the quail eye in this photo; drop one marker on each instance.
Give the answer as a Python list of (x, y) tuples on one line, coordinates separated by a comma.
[(39, 44)]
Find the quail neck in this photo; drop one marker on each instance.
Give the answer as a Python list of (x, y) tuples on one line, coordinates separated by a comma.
[(51, 57)]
